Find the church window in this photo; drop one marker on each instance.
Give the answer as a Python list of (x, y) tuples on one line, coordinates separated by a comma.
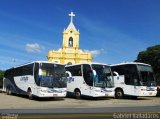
[(69, 63), (70, 42)]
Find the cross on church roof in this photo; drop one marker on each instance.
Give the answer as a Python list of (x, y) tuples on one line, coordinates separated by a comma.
[(71, 15)]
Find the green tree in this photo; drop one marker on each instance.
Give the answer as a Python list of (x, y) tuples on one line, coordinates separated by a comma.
[(151, 56)]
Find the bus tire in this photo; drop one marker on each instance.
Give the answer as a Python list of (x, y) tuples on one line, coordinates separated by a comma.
[(29, 93), (119, 94), (8, 90), (77, 94)]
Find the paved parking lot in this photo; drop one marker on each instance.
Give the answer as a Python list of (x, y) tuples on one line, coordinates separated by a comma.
[(22, 102)]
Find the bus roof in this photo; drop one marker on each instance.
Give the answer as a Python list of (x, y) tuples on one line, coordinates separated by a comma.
[(34, 62), (87, 63), (125, 63)]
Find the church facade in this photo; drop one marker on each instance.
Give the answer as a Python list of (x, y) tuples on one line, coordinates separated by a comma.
[(70, 52)]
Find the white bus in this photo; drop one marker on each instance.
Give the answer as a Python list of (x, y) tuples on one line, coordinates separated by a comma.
[(133, 79), (39, 78), (90, 79)]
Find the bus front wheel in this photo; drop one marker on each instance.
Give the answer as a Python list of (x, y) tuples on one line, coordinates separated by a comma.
[(119, 94), (77, 94), (29, 92)]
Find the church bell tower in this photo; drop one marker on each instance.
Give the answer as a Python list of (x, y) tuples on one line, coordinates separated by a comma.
[(70, 52), (71, 35)]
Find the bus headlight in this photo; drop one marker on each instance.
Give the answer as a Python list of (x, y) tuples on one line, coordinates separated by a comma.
[(64, 91), (142, 89)]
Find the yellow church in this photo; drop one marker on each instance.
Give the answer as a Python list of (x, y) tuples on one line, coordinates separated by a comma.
[(70, 52)]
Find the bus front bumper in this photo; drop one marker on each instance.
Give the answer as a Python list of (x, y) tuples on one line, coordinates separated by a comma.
[(147, 93), (43, 94), (104, 93)]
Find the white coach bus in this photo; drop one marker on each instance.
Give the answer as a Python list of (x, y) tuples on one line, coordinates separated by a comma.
[(90, 79), (39, 78), (134, 79)]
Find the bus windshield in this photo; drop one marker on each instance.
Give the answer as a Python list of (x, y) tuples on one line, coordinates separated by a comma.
[(146, 74), (103, 76), (52, 75)]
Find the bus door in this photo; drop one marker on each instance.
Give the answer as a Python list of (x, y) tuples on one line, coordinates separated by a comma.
[(88, 79)]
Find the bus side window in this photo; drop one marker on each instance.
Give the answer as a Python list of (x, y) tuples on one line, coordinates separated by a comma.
[(130, 75), (27, 70), (75, 70), (36, 72), (8, 73)]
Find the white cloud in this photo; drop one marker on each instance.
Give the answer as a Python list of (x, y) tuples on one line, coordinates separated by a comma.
[(94, 53), (35, 47)]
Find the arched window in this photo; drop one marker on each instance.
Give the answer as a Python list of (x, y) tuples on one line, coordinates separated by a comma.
[(70, 43), (69, 63)]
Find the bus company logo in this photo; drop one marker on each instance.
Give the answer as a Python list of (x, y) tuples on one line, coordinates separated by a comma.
[(24, 79)]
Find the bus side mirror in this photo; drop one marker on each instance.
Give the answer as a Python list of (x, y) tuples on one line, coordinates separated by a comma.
[(116, 73), (68, 74)]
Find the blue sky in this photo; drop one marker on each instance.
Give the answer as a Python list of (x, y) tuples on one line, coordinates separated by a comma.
[(113, 30)]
